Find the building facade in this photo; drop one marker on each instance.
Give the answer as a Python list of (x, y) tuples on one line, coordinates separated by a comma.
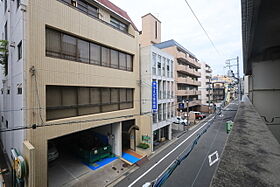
[(206, 86), (186, 75), (261, 59), (157, 82), (73, 66)]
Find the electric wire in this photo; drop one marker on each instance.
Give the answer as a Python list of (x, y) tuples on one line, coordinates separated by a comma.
[(206, 33)]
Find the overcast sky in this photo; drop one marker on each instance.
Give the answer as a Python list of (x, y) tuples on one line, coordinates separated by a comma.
[(220, 18)]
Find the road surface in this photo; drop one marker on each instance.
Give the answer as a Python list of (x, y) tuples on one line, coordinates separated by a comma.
[(197, 169)]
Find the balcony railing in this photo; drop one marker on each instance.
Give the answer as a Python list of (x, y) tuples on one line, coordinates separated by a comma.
[(188, 70), (190, 81), (188, 92), (182, 56)]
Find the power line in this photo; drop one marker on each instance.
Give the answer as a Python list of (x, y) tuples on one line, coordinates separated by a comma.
[(206, 33)]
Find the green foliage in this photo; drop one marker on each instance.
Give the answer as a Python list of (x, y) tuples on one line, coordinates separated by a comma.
[(4, 55), (143, 146)]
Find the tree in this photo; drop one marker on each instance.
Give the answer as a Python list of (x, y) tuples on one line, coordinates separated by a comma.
[(4, 55)]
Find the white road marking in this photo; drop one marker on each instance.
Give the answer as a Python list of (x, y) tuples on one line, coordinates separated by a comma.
[(211, 162), (157, 163)]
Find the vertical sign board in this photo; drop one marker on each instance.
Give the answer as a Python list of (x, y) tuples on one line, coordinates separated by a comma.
[(154, 96)]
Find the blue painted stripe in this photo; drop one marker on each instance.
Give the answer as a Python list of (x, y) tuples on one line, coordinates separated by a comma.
[(101, 163)]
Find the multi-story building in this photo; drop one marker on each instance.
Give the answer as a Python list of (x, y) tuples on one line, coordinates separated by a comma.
[(157, 82), (224, 88), (186, 74), (206, 86), (73, 66)]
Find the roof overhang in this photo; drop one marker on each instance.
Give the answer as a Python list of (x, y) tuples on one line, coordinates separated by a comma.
[(260, 31)]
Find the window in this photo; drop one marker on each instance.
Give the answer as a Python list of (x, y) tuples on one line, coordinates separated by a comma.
[(64, 46), (129, 62), (156, 30), (122, 61), (7, 124), (119, 25), (95, 54), (105, 57), (53, 43), (69, 46), (154, 59), (168, 68), (18, 3), (63, 101), (19, 48), (83, 51), (2, 118), (6, 30), (114, 59), (8, 91), (163, 66), (19, 89), (2, 91), (83, 6), (159, 65)]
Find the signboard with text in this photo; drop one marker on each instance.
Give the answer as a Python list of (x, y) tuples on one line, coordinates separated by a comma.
[(154, 96)]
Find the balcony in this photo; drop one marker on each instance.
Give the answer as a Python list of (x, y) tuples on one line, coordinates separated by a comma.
[(188, 70), (187, 92), (189, 81), (185, 58)]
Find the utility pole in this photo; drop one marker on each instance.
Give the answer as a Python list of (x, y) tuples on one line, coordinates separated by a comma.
[(209, 96), (188, 111), (229, 65)]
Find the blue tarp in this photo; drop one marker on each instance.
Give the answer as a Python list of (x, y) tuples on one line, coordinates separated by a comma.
[(101, 163), (130, 158)]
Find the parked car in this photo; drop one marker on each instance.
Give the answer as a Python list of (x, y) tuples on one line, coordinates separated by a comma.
[(199, 115), (180, 120), (52, 152)]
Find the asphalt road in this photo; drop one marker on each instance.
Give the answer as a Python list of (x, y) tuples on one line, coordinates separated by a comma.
[(195, 170)]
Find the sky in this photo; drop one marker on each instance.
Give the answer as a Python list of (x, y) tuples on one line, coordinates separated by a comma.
[(220, 18)]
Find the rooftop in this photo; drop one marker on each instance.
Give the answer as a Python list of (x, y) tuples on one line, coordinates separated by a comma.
[(170, 43)]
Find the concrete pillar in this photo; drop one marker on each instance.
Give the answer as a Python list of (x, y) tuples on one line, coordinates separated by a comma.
[(117, 143), (170, 132)]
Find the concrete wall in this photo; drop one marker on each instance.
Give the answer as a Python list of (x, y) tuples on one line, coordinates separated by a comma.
[(264, 91), (149, 35), (11, 105)]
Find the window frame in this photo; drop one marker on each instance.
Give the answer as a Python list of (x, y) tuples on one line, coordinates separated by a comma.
[(110, 104), (59, 51)]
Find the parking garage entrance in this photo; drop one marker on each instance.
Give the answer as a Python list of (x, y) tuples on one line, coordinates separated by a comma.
[(74, 155)]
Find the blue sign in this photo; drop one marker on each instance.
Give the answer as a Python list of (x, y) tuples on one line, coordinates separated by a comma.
[(181, 106), (154, 96)]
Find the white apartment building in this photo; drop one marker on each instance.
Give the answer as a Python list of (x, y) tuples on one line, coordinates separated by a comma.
[(157, 82), (206, 87)]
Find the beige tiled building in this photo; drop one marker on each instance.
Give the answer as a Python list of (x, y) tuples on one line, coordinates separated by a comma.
[(80, 71)]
